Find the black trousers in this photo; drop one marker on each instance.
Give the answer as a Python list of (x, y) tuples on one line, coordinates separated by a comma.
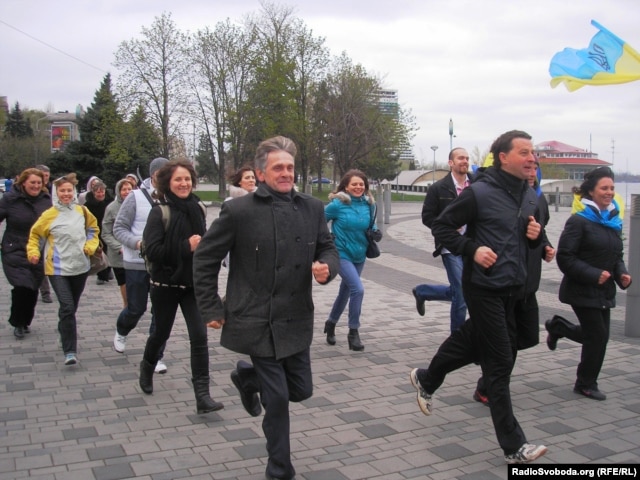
[(23, 306), (490, 338), (68, 290), (165, 301), (593, 334), (281, 381)]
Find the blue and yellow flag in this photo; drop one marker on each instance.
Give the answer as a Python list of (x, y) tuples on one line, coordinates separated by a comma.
[(608, 60)]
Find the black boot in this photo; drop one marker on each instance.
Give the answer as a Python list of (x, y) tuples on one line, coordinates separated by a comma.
[(558, 327), (146, 376), (245, 379), (354, 340), (204, 402), (330, 330)]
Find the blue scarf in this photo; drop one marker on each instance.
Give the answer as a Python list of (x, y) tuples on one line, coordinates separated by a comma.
[(610, 217)]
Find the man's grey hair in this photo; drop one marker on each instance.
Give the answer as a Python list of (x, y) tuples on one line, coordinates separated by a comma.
[(273, 144)]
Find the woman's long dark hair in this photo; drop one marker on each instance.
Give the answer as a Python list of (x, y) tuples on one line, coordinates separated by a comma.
[(346, 179), (164, 174)]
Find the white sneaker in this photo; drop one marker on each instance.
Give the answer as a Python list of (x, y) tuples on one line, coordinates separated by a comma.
[(160, 367), (119, 342), (425, 402), (526, 453), (70, 359)]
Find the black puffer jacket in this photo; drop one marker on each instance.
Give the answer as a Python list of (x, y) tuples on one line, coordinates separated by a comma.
[(496, 209), (585, 249), (20, 212)]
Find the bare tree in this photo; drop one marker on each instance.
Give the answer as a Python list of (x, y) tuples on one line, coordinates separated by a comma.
[(154, 68), (223, 60)]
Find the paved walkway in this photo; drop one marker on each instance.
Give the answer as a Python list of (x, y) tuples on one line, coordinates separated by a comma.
[(91, 421)]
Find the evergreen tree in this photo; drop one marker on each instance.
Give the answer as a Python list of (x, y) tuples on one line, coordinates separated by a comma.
[(17, 126)]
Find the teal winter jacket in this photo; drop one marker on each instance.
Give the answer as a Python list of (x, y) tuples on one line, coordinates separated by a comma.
[(350, 218)]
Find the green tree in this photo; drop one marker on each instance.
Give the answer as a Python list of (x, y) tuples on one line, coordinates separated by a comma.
[(17, 126), (142, 142), (272, 86), (223, 67), (359, 133), (205, 159)]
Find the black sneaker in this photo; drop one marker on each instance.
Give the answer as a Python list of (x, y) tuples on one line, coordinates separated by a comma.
[(18, 332), (419, 303), (478, 396), (592, 393)]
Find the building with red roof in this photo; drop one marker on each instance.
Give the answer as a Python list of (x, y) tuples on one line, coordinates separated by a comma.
[(574, 162)]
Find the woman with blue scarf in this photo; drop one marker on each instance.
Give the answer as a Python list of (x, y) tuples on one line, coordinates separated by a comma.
[(590, 256)]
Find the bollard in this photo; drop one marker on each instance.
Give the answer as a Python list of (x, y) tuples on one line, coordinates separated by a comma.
[(632, 319), (387, 204), (557, 198)]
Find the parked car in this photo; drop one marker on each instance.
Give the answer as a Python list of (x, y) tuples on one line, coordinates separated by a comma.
[(324, 180)]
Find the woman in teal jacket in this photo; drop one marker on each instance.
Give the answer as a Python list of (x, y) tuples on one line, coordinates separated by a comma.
[(350, 213)]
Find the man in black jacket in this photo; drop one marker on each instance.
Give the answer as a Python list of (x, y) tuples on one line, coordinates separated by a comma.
[(441, 194), (278, 241), (499, 210)]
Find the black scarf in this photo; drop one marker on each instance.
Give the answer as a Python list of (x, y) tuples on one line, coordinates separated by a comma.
[(187, 219)]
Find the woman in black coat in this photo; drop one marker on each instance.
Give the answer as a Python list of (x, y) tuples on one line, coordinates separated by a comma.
[(171, 235), (21, 207), (591, 257), (96, 201)]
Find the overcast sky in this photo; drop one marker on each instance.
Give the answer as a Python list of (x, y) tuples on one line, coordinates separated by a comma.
[(483, 63)]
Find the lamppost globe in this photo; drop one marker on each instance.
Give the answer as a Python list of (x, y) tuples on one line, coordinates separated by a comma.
[(434, 148)]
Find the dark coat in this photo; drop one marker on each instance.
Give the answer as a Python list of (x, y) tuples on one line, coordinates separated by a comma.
[(20, 212), (269, 307), (169, 250), (585, 249), (537, 254), (496, 209), (438, 197)]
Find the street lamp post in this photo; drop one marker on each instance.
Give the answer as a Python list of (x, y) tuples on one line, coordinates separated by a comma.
[(450, 134), (37, 138), (434, 148)]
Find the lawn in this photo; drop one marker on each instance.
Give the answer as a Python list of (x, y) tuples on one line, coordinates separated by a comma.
[(212, 196)]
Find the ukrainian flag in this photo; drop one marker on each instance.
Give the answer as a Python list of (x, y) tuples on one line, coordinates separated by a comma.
[(608, 60)]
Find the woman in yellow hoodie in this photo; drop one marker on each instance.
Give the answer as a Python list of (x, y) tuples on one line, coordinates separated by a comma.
[(70, 235)]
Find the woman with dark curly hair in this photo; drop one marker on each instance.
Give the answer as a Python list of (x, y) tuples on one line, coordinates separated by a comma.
[(590, 256), (170, 237)]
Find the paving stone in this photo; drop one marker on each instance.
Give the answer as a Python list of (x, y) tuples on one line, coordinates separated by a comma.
[(92, 422)]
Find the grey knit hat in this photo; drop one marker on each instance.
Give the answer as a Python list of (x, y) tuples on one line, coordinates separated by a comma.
[(156, 164)]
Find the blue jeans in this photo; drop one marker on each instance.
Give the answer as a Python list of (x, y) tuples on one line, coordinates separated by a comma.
[(352, 291), (137, 286), (451, 293), (68, 290)]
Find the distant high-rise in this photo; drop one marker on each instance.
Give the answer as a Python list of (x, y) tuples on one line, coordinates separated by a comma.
[(388, 104)]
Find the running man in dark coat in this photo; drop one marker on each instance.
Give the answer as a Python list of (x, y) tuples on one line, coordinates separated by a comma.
[(278, 241)]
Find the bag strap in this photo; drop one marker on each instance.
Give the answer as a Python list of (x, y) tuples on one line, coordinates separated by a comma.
[(146, 194), (166, 213), (374, 213)]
